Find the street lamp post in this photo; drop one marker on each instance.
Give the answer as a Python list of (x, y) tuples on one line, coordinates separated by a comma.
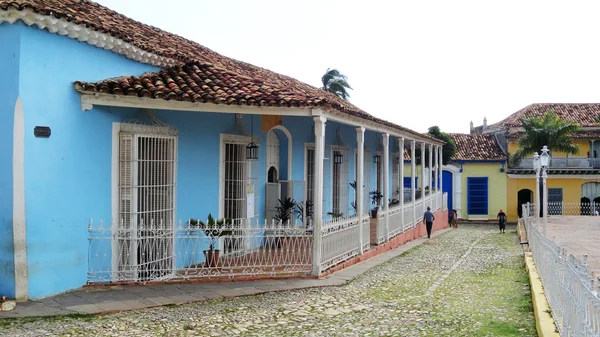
[(536, 168), (545, 163)]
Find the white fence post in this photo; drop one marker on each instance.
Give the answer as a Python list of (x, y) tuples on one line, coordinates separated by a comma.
[(318, 192), (360, 141)]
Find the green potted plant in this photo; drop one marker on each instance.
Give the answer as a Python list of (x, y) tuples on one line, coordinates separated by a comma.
[(213, 230), (304, 209), (285, 210), (376, 197)]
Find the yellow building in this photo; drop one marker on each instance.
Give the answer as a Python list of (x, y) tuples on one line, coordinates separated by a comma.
[(475, 178), (571, 179)]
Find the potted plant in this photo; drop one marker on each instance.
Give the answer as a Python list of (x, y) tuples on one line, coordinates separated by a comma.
[(213, 230), (285, 210), (304, 209), (376, 197)]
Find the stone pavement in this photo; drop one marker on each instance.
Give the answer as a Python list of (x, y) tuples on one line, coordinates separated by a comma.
[(96, 300), (579, 235)]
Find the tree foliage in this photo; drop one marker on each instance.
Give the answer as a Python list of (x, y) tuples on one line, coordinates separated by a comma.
[(448, 150), (547, 130), (336, 83)]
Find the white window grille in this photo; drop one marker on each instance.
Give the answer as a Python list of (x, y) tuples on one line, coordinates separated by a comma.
[(396, 176), (310, 172), (147, 164), (340, 183), (240, 197), (236, 178)]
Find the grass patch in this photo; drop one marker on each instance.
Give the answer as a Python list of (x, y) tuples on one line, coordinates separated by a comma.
[(8, 321)]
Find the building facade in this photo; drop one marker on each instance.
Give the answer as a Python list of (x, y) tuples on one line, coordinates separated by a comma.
[(117, 134)]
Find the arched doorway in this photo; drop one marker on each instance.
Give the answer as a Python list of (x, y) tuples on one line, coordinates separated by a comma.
[(523, 196), (591, 193), (278, 168), (273, 189), (586, 206), (596, 206)]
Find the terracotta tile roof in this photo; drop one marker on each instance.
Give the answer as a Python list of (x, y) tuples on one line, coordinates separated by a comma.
[(201, 74), (582, 113), (477, 147)]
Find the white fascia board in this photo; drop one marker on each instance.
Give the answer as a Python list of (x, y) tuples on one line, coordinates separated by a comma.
[(373, 126), (89, 100)]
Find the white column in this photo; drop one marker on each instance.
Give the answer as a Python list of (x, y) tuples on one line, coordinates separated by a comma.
[(401, 179), (537, 199), (413, 174), (360, 145), (423, 174), (19, 222), (431, 176), (386, 182), (545, 178), (318, 192)]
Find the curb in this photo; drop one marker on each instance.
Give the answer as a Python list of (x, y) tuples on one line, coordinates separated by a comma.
[(544, 321)]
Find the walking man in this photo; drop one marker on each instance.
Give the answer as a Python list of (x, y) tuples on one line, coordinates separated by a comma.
[(501, 221), (428, 220)]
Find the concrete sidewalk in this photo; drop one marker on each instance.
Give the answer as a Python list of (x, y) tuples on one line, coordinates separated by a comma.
[(96, 300)]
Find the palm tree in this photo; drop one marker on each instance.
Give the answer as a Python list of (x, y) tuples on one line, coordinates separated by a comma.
[(336, 83), (547, 130)]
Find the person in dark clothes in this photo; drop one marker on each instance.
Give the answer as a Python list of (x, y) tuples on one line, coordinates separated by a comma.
[(428, 219), (450, 218), (501, 221)]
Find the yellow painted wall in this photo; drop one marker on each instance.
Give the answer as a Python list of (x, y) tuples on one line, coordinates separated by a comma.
[(514, 185), (584, 147), (571, 191), (496, 187), (418, 172)]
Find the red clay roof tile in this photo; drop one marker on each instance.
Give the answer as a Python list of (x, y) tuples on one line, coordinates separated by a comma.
[(202, 75), (583, 113), (477, 147)]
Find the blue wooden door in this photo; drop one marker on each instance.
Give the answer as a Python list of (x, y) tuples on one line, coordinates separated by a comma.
[(447, 186)]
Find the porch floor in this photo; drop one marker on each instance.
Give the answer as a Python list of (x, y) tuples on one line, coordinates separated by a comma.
[(285, 261)]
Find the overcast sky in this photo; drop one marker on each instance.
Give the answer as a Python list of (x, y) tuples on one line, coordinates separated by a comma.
[(415, 63)]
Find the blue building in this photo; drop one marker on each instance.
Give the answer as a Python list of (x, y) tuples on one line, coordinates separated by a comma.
[(115, 133)]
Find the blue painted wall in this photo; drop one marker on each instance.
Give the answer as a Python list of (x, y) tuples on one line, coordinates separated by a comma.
[(9, 91), (67, 175)]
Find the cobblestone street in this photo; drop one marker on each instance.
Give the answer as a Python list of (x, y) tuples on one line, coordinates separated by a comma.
[(467, 282)]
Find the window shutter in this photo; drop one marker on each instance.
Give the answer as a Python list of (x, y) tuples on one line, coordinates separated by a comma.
[(477, 195)]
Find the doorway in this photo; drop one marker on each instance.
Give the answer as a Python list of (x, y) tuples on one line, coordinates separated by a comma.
[(523, 196), (447, 187)]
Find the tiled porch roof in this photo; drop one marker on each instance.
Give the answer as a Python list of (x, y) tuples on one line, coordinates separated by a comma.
[(477, 147), (195, 73), (582, 113)]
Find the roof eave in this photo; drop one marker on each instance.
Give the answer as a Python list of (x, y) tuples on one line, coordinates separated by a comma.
[(89, 99)]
